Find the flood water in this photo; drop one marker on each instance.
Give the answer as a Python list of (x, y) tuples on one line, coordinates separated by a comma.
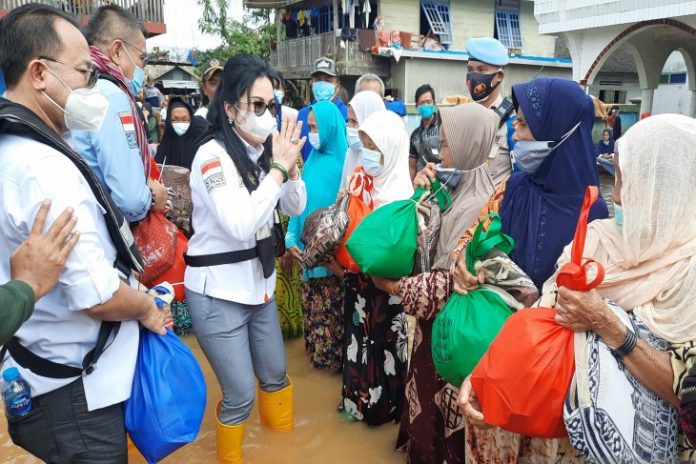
[(321, 434)]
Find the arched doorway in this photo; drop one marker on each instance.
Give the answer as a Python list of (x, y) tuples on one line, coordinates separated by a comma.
[(650, 43)]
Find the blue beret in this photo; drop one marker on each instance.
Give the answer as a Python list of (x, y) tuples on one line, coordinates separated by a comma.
[(487, 50)]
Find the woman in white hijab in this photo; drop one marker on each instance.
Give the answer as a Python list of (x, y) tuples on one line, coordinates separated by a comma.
[(360, 108), (385, 146), (375, 331), (649, 254)]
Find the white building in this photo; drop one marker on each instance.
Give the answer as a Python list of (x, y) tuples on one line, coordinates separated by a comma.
[(649, 30), (451, 22)]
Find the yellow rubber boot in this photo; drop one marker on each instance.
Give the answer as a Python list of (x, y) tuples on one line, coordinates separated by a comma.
[(275, 408), (229, 440)]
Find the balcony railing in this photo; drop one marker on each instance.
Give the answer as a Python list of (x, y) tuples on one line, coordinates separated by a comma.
[(147, 11), (295, 57)]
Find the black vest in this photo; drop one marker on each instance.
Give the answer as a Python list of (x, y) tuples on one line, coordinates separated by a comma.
[(18, 120)]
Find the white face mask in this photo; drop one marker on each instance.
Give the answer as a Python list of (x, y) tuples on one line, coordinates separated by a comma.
[(85, 109), (313, 138), (180, 127), (372, 162), (260, 127), (353, 138)]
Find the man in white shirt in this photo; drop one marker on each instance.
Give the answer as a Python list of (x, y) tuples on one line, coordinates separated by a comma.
[(50, 80)]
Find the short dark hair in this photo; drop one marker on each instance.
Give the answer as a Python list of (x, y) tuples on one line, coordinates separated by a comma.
[(109, 23), (425, 88), (26, 33)]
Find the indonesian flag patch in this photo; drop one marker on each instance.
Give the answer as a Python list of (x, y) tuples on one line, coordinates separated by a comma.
[(129, 128), (213, 177)]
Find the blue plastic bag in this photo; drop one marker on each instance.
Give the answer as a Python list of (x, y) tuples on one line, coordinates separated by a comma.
[(167, 402)]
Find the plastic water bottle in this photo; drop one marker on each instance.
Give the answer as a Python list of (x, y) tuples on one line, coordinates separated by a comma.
[(16, 394)]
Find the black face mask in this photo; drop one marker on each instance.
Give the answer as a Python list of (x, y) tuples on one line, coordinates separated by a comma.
[(480, 85)]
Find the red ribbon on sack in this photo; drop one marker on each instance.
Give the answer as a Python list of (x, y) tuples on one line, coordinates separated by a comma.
[(574, 274), (361, 184)]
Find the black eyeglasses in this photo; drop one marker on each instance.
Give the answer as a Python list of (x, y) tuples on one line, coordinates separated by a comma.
[(144, 57), (92, 73), (260, 107)]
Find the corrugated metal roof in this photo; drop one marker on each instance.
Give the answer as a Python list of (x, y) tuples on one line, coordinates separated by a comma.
[(158, 70)]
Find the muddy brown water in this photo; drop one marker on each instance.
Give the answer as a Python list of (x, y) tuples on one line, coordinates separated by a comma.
[(321, 434)]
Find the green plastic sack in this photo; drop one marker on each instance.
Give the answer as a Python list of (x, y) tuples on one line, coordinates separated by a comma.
[(467, 324), (385, 242)]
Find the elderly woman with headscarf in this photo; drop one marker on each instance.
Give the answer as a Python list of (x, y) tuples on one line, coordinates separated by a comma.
[(649, 254), (539, 208), (429, 434), (375, 328), (322, 292), (360, 108)]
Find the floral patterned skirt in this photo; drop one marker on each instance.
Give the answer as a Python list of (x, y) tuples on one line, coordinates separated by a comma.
[(375, 356), (322, 301), (432, 427), (504, 447)]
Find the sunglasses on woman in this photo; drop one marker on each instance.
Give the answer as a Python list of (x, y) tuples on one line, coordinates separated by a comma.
[(260, 107)]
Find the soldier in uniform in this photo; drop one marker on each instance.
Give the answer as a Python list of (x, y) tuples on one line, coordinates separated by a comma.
[(487, 57)]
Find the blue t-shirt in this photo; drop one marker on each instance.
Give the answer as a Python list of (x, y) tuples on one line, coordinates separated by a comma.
[(113, 154)]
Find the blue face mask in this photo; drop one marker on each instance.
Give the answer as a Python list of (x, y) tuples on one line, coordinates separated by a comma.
[(279, 96), (449, 177), (353, 138), (371, 161), (313, 138), (135, 84), (323, 91), (618, 215), (427, 111), (529, 155)]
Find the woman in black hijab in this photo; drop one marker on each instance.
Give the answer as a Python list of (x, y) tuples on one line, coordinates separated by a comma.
[(181, 132)]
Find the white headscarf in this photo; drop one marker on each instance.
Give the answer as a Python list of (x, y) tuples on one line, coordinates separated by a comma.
[(364, 104), (387, 131), (650, 262)]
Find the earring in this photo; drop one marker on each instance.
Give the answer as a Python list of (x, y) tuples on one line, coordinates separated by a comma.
[(230, 120)]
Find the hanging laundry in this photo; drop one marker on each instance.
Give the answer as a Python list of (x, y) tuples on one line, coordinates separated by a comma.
[(367, 9)]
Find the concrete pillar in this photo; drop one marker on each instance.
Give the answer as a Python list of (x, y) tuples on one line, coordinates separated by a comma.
[(646, 102), (692, 103)]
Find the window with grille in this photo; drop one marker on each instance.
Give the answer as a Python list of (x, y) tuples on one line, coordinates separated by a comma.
[(507, 28), (437, 13)]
